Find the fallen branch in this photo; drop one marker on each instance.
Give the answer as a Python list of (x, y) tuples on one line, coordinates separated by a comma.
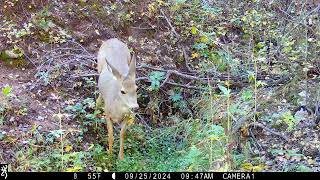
[(185, 76), (241, 122), (146, 79), (203, 80), (30, 61), (166, 80), (169, 23), (144, 122), (85, 75), (256, 124), (144, 28), (186, 86), (255, 140), (186, 60)]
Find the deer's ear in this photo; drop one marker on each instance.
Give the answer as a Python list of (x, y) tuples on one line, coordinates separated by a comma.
[(115, 72), (132, 68)]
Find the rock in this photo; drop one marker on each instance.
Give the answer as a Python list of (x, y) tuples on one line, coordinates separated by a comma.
[(11, 54)]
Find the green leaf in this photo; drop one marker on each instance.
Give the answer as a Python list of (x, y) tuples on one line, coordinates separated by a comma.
[(251, 76), (180, 1), (246, 95), (303, 168), (156, 77), (90, 116), (7, 90), (200, 46), (216, 132), (194, 30), (225, 91), (260, 45), (261, 84), (176, 97), (289, 119)]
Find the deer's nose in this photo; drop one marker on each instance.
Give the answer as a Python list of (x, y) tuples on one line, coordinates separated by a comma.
[(135, 107)]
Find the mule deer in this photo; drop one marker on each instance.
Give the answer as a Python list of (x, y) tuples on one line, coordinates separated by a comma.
[(117, 86)]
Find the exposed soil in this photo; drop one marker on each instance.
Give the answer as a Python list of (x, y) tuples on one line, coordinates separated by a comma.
[(152, 47)]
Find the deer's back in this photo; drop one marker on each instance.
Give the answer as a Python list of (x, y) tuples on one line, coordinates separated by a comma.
[(116, 53)]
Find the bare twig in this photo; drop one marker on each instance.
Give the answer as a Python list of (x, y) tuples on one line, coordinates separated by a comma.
[(256, 124), (144, 122), (186, 59), (147, 80), (144, 28), (240, 122), (185, 76), (30, 60), (186, 86), (38, 146), (142, 78), (62, 56), (297, 21), (166, 80), (85, 75), (255, 140), (173, 84), (83, 48), (169, 23)]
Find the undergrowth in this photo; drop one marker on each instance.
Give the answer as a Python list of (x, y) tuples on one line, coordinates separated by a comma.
[(243, 47)]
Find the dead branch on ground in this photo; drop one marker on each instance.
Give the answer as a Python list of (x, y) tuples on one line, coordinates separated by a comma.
[(256, 124)]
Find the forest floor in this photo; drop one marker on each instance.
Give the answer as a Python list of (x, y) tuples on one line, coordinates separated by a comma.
[(49, 91)]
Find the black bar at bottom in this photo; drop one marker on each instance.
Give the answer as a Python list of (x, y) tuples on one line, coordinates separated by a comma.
[(157, 175)]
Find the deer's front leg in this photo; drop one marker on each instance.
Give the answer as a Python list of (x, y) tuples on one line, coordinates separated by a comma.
[(99, 101), (122, 133), (110, 134)]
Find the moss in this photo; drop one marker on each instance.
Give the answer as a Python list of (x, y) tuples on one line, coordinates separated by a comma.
[(44, 36), (13, 62), (4, 56)]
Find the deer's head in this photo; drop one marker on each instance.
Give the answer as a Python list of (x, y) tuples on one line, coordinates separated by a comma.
[(125, 88)]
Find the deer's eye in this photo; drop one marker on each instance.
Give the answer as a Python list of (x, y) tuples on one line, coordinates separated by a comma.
[(123, 92)]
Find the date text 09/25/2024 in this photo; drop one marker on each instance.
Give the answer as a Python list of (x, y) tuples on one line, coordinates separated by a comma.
[(187, 176)]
